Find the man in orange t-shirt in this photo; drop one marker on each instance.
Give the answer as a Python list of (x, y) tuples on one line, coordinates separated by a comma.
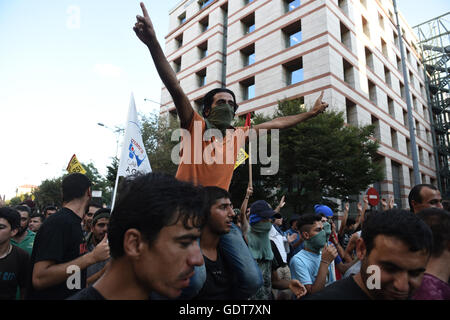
[(208, 162)]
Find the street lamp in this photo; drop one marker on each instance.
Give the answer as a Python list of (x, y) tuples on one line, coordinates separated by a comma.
[(117, 130)]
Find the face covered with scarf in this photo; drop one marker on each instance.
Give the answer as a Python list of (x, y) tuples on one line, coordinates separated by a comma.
[(317, 237), (221, 113)]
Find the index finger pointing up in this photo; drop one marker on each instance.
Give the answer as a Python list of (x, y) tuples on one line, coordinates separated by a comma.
[(144, 10), (321, 96)]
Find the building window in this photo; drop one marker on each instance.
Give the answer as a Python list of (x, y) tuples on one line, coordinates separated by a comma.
[(346, 35), (394, 139), (411, 79), (414, 101), (205, 3), (369, 58), (248, 55), (177, 64), (376, 124), (248, 88), (179, 40), (352, 118), (343, 4), (246, 2), (399, 64), (391, 107), (384, 49), (397, 44), (293, 71), (421, 155), (291, 5), (372, 92), (248, 23), (365, 26), (408, 147), (292, 33), (201, 77), (182, 18), (204, 24), (417, 129), (203, 50), (387, 76), (381, 21), (405, 118), (349, 73), (402, 91)]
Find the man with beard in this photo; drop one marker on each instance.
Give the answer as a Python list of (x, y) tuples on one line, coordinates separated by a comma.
[(394, 248), (218, 112), (424, 196), (99, 229), (153, 234), (24, 238), (60, 249)]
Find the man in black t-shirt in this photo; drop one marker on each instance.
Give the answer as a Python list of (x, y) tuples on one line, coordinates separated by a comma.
[(59, 258), (14, 261), (153, 234), (394, 248)]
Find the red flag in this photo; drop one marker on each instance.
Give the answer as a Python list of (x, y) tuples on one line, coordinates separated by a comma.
[(247, 120)]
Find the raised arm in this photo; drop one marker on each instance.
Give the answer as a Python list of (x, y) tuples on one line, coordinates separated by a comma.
[(280, 205), (344, 219), (145, 32), (243, 218), (289, 121)]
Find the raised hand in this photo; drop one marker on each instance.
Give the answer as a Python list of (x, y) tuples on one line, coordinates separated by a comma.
[(391, 202), (144, 27), (282, 202), (319, 105), (297, 288), (292, 237), (101, 251), (384, 204)]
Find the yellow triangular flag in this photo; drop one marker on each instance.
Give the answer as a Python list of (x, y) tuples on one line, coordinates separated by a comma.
[(241, 157), (75, 166)]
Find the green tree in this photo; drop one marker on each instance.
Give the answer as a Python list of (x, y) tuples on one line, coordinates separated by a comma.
[(156, 135), (319, 158), (49, 192), (98, 182), (14, 201)]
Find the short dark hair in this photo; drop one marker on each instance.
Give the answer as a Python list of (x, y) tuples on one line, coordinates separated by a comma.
[(401, 224), (74, 186), (306, 221), (23, 208), (414, 194), (38, 215), (101, 213), (208, 99), (439, 222), (95, 204), (212, 194), (49, 208), (12, 216), (149, 202)]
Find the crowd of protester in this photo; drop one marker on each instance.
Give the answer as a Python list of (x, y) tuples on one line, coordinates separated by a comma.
[(179, 238), (182, 241)]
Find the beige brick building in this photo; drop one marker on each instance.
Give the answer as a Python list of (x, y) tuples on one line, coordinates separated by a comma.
[(271, 50)]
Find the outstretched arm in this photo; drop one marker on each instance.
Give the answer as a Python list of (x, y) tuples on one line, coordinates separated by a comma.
[(289, 121), (145, 32), (344, 219)]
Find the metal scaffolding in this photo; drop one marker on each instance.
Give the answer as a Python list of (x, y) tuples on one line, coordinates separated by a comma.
[(434, 42)]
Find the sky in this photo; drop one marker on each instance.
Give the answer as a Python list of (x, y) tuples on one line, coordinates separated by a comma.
[(67, 65)]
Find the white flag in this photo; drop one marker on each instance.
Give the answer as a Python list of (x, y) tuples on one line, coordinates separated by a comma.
[(133, 157)]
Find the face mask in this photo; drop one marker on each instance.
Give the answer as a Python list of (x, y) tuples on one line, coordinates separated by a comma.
[(317, 242), (262, 227), (327, 229), (220, 117)]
